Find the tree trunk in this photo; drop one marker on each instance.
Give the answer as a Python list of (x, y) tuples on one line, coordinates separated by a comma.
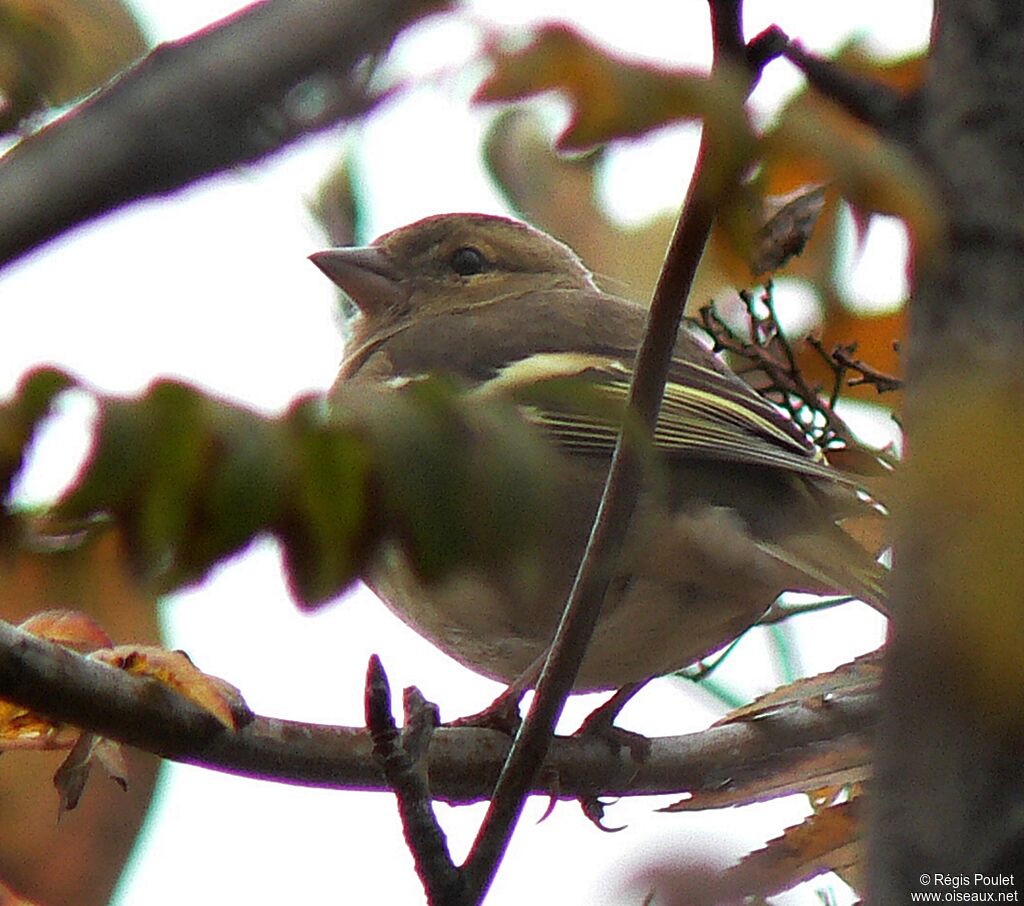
[(949, 788)]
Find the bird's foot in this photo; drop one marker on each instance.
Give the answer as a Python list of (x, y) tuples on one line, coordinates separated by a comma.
[(502, 714)]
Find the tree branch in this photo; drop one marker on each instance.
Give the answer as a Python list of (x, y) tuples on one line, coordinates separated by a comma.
[(461, 763), (867, 100), (230, 94)]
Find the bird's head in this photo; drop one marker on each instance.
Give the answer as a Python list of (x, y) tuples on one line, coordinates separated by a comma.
[(445, 263)]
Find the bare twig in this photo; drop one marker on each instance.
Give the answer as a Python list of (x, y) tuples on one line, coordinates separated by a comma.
[(770, 354), (869, 101), (402, 757), (882, 382), (611, 523), (231, 94)]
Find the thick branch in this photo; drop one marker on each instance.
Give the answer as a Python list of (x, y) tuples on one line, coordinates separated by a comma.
[(230, 94), (462, 763)]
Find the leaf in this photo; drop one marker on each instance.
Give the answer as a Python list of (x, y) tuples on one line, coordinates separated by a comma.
[(73, 773), (192, 479), (612, 97), (326, 526), (54, 51), (785, 234), (80, 859), (863, 674), (457, 483), (175, 670), (21, 415), (70, 628), (21, 728), (559, 195), (829, 840), (825, 143), (836, 762)]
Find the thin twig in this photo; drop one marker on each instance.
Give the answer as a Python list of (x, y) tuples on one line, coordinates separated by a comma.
[(868, 100), (621, 489), (402, 757), (771, 354), (880, 380)]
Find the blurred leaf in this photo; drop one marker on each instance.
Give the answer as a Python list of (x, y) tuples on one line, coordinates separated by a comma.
[(10, 898), (455, 483), (70, 628), (327, 526), (789, 227), (829, 840), (336, 205), (612, 97), (820, 141), (558, 194), (862, 674), (53, 51), (189, 480), (835, 762), (20, 416), (79, 859)]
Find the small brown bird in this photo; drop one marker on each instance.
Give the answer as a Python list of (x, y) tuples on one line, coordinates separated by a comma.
[(749, 507)]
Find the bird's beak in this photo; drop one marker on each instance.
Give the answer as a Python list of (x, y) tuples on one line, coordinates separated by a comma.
[(366, 274)]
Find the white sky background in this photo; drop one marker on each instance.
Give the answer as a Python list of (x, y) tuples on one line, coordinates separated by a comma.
[(212, 285)]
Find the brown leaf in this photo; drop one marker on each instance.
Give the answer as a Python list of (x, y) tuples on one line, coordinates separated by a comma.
[(9, 897), (559, 195), (836, 762), (790, 223), (611, 97), (829, 840), (23, 729), (70, 628), (862, 674), (175, 670), (874, 174), (73, 773)]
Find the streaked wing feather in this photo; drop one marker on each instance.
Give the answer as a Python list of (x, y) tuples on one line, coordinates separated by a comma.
[(712, 415)]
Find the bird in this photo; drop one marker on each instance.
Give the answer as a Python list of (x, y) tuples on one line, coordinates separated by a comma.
[(745, 508)]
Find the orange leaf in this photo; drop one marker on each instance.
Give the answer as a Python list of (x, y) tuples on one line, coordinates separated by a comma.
[(70, 628), (175, 670), (829, 840), (611, 97)]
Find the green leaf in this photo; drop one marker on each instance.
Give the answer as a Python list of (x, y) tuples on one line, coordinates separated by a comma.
[(19, 418), (54, 51)]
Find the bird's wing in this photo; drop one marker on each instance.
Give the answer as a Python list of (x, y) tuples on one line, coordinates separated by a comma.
[(706, 412)]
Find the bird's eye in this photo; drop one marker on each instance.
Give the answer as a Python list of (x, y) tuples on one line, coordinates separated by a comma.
[(467, 260)]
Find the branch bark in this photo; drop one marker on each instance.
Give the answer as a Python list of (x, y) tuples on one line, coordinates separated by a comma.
[(949, 795), (462, 763), (230, 94)]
